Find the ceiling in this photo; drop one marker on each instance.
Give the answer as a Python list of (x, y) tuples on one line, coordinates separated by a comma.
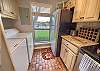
[(47, 3), (51, 2)]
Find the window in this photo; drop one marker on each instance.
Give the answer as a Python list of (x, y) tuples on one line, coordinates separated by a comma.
[(40, 9), (44, 10), (43, 19), (41, 22)]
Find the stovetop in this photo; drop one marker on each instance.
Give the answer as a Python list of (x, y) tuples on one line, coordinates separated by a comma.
[(92, 51)]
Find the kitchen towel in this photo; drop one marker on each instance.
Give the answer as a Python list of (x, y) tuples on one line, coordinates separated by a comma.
[(88, 64)]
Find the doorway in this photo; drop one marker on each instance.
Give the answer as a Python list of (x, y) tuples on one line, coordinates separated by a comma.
[(41, 24), (41, 27)]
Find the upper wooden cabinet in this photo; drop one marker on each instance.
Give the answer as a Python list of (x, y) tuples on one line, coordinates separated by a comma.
[(5, 6), (13, 8), (9, 8), (69, 4), (86, 10), (92, 10), (79, 10)]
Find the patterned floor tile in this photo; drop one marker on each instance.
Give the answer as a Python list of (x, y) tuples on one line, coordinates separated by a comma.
[(44, 60)]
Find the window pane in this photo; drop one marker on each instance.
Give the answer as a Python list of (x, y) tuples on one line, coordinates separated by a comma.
[(44, 10), (41, 25), (43, 19), (41, 35), (33, 8), (40, 9)]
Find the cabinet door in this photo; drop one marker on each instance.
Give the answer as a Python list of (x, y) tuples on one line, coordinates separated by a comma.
[(79, 10), (76, 15), (24, 15), (83, 8), (92, 11), (0, 43), (8, 8), (62, 53), (70, 59), (20, 59), (13, 8), (0, 5), (5, 7)]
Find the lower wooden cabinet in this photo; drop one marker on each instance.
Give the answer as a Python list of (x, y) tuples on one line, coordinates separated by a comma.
[(68, 57), (62, 53)]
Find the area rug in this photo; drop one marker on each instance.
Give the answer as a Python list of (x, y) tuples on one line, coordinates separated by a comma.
[(47, 54)]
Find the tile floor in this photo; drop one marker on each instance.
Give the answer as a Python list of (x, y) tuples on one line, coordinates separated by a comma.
[(43, 60)]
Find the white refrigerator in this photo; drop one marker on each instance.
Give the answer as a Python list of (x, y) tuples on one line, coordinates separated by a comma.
[(60, 25), (54, 28)]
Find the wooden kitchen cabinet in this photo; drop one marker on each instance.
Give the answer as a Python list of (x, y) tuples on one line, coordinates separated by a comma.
[(13, 8), (5, 63), (0, 44), (79, 10), (69, 4), (0, 6), (63, 52), (92, 10), (70, 59), (67, 56), (86, 10), (8, 8), (5, 7)]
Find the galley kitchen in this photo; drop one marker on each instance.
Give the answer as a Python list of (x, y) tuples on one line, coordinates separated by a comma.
[(49, 35)]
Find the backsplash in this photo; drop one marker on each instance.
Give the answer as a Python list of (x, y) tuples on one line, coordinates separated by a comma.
[(8, 23), (89, 33), (95, 25)]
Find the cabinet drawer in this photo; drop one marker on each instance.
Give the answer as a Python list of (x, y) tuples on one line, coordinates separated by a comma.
[(70, 46), (63, 41)]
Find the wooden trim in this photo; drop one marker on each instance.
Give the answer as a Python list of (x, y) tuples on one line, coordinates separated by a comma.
[(41, 14), (6, 57)]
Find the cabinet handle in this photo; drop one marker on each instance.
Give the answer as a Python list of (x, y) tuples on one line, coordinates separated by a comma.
[(89, 17), (81, 17), (99, 15), (66, 43), (12, 13), (66, 50), (15, 45)]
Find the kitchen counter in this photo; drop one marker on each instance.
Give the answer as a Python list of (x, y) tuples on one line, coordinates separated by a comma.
[(78, 41), (19, 35)]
